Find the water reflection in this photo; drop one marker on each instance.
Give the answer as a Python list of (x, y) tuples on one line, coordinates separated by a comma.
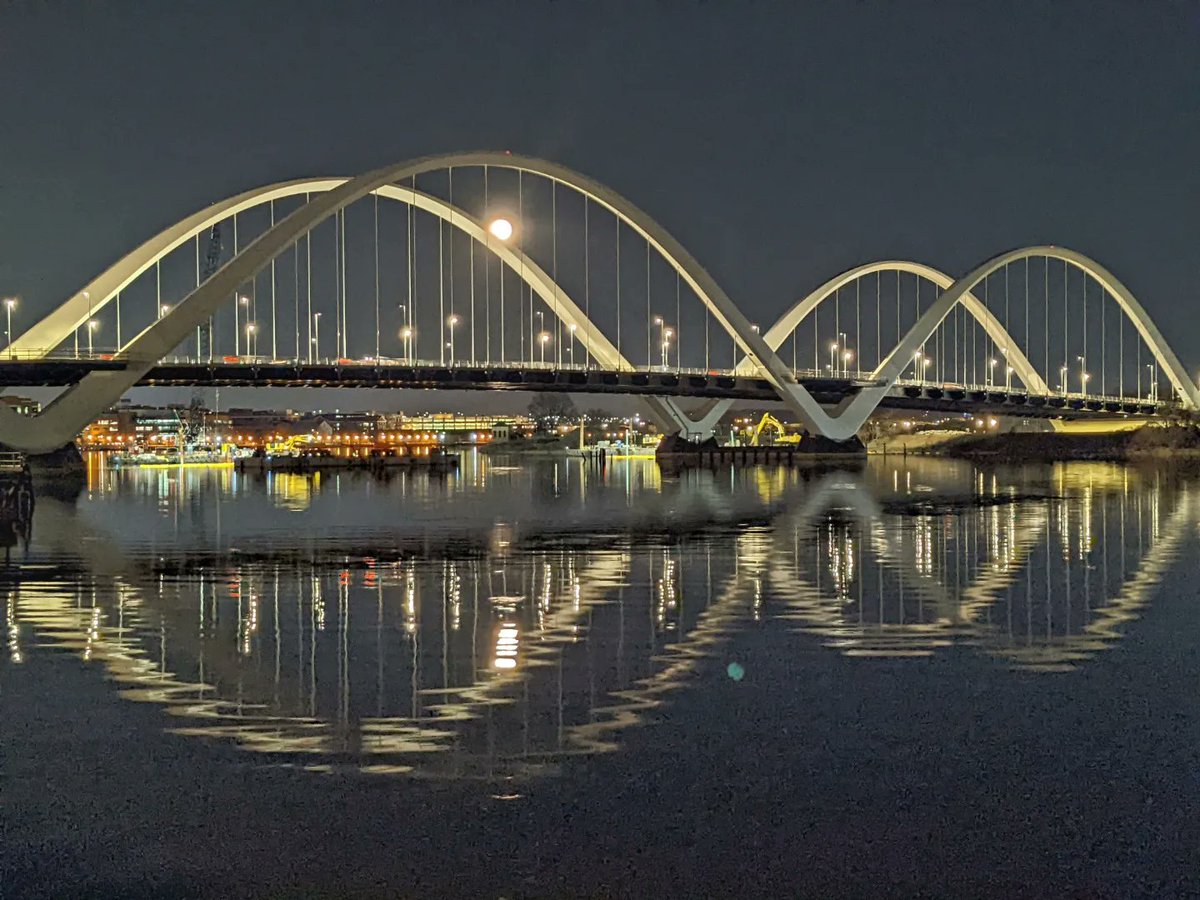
[(493, 621)]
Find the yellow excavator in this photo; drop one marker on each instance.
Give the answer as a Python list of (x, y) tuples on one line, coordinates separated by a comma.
[(776, 433)]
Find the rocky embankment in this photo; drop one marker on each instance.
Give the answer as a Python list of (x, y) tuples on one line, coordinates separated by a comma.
[(1148, 442)]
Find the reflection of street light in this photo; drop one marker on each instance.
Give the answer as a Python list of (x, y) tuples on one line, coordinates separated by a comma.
[(543, 339), (9, 304), (92, 326)]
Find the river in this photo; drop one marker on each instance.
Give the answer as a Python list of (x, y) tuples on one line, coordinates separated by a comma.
[(547, 678)]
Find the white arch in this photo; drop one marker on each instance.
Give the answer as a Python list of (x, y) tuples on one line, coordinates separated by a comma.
[(790, 320), (891, 367), (61, 420)]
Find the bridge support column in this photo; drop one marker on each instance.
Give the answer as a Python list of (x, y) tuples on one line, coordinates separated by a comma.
[(671, 419)]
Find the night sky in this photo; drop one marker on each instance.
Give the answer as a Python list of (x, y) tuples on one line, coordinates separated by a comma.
[(780, 142)]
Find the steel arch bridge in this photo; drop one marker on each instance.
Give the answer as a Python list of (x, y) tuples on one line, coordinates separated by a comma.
[(832, 400)]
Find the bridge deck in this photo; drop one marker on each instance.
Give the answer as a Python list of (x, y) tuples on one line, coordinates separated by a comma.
[(704, 385)]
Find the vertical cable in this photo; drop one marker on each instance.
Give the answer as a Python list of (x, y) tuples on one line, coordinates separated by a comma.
[(411, 242), (296, 295), (618, 220), (679, 325), (337, 284), (198, 339), (442, 294), (274, 344), (857, 321), (587, 283), (450, 176), (521, 288), (649, 357), (878, 321), (487, 279), (376, 211), (308, 291), (554, 269)]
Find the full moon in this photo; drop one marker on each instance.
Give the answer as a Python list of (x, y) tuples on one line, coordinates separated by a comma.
[(501, 228)]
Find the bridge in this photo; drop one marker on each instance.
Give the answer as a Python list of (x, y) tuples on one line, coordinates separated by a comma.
[(492, 271)]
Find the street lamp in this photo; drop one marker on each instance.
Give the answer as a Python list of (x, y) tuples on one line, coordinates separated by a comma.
[(163, 309), (406, 334), (1008, 371), (1062, 379), (317, 334), (833, 349), (243, 303), (847, 355), (1083, 375), (92, 326), (543, 339), (251, 328), (541, 326), (991, 373), (571, 328), (451, 321), (9, 304)]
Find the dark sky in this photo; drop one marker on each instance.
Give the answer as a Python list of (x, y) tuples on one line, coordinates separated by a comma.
[(781, 142)]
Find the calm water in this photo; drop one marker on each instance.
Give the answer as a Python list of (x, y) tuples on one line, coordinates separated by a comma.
[(547, 679)]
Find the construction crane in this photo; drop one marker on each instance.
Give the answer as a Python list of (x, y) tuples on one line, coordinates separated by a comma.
[(212, 261)]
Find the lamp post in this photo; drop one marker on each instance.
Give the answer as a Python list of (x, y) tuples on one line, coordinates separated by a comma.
[(251, 328), (833, 349), (571, 328), (451, 321), (543, 339), (92, 325), (1062, 379), (1153, 392), (243, 303), (667, 334), (317, 335), (1008, 370), (9, 304), (847, 355), (541, 327), (1083, 375), (406, 334), (991, 373)]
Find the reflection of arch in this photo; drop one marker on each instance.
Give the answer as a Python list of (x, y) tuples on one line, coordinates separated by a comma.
[(61, 420)]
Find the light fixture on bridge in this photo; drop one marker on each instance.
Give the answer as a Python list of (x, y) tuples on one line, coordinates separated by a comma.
[(10, 304), (501, 229)]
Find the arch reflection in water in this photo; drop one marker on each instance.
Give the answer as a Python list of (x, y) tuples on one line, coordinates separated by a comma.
[(507, 654)]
